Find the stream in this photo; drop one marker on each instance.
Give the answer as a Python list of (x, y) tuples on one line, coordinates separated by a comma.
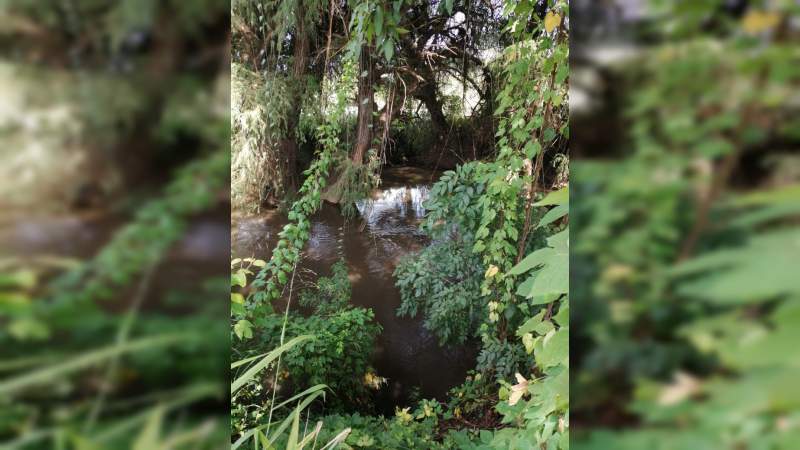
[(372, 245)]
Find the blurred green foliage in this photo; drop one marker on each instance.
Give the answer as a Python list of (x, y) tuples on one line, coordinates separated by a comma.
[(122, 349), (685, 257)]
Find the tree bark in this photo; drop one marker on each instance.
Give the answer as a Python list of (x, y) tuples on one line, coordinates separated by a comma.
[(288, 145), (366, 102), (427, 94)]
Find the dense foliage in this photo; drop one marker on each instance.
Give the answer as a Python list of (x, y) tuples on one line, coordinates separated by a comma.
[(442, 282), (92, 336), (338, 356), (686, 257), (495, 272)]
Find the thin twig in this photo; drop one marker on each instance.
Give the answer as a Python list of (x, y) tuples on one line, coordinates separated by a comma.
[(718, 182), (330, 31)]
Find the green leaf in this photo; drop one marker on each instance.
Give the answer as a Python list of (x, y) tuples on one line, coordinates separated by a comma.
[(553, 349), (789, 194), (271, 356), (533, 260), (553, 214), (562, 73), (27, 328), (532, 148), (379, 21), (562, 318), (237, 309), (712, 148), (553, 277), (243, 329), (560, 241), (149, 437), (25, 279), (763, 268), (559, 197), (388, 49), (239, 278), (49, 373), (295, 430)]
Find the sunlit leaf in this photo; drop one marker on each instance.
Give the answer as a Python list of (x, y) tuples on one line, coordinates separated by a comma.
[(551, 21)]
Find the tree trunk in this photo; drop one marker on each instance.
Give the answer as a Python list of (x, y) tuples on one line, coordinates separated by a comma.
[(288, 145), (427, 94), (366, 102), (288, 149)]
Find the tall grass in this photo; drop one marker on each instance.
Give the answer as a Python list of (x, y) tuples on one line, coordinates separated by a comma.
[(264, 435), (261, 436), (51, 371)]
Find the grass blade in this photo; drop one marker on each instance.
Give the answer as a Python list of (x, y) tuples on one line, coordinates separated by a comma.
[(78, 362), (271, 356)]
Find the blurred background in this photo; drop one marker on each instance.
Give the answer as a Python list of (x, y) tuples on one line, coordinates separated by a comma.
[(114, 223), (685, 262)]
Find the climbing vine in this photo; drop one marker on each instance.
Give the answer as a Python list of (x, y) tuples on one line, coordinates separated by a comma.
[(528, 125), (493, 272), (271, 279)]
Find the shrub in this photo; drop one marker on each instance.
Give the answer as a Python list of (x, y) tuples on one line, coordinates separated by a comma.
[(443, 283), (345, 336)]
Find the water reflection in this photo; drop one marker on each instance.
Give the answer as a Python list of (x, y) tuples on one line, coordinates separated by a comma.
[(394, 209)]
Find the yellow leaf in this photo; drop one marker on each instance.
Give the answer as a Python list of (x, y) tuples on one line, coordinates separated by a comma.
[(551, 21), (491, 271), (617, 272), (514, 398), (374, 381), (683, 387), (518, 390), (528, 342), (756, 22), (403, 415)]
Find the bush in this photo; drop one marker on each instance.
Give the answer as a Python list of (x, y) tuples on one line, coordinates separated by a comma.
[(371, 432), (443, 283), (345, 336), (443, 280)]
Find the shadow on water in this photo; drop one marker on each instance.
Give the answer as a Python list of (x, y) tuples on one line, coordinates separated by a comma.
[(372, 245)]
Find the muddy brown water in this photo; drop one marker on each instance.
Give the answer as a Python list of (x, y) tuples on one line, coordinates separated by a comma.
[(386, 229), (201, 253)]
